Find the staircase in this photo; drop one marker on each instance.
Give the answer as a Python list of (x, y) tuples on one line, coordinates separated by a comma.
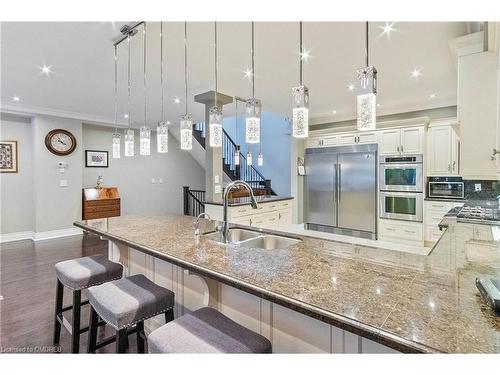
[(243, 171)]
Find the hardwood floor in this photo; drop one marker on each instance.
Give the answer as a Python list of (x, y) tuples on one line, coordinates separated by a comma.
[(28, 286)]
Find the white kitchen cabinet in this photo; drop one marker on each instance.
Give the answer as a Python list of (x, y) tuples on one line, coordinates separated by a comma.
[(434, 212), (326, 141), (367, 137), (346, 139), (313, 142), (478, 104), (397, 230), (330, 141), (401, 141), (443, 150), (285, 219)]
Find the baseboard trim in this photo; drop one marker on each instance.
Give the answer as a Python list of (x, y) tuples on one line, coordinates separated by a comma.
[(40, 236), (16, 236)]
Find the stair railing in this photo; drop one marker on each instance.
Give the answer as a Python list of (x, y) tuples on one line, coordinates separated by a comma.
[(193, 201)]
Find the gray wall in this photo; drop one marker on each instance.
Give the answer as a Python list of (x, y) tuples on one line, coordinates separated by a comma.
[(56, 207), (17, 211), (133, 175)]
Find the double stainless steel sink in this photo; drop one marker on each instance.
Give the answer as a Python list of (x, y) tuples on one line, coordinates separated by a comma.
[(253, 239)]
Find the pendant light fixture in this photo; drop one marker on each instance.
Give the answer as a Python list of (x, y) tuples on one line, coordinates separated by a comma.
[(367, 96), (300, 99), (129, 133), (186, 120), (145, 131), (116, 138), (162, 128), (249, 157), (215, 112), (253, 106), (237, 151)]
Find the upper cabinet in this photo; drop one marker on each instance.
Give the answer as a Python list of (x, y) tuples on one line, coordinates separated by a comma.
[(478, 103), (401, 141), (443, 151)]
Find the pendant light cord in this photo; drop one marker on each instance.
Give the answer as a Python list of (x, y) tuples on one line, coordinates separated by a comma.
[(301, 52), (116, 90), (185, 66), (253, 62), (161, 70), (128, 78), (144, 71), (215, 56), (366, 41), (237, 139)]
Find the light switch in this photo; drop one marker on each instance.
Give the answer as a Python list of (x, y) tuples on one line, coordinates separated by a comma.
[(216, 179), (160, 180), (477, 187), (217, 189), (63, 183), (153, 181)]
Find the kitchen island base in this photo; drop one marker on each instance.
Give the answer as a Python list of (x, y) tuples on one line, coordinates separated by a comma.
[(289, 331)]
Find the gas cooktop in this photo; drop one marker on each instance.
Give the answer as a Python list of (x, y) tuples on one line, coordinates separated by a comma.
[(479, 214)]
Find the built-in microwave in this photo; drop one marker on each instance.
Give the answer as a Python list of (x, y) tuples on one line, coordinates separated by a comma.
[(401, 173), (401, 205), (445, 187)]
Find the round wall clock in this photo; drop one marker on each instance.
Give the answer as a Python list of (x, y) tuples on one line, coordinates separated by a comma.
[(60, 142)]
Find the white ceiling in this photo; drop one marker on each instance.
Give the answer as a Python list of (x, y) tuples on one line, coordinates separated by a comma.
[(81, 57)]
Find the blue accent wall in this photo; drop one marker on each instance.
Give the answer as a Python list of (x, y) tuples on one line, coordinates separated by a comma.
[(276, 141)]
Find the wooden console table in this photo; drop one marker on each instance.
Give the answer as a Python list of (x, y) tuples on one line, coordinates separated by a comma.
[(100, 203)]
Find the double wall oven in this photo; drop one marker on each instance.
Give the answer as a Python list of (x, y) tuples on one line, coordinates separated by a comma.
[(401, 187)]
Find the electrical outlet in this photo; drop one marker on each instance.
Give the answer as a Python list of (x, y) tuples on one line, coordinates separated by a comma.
[(216, 179), (63, 183), (153, 181), (477, 187), (160, 180), (217, 189)]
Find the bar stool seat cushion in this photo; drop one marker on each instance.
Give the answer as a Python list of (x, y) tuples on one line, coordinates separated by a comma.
[(125, 302), (84, 272), (206, 331)]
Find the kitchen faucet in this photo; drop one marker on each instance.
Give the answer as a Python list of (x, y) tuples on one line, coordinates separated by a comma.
[(197, 222), (229, 187)]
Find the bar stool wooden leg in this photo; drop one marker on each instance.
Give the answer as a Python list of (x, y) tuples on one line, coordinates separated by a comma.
[(140, 339), (75, 334), (58, 310), (121, 340), (93, 324), (169, 315)]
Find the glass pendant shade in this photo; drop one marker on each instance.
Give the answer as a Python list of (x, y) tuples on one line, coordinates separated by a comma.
[(145, 141), (116, 145), (237, 156), (260, 160), (186, 132), (215, 126), (367, 98), (249, 158), (162, 137), (252, 122), (129, 142), (300, 111)]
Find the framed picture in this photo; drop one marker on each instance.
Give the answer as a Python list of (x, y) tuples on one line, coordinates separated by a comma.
[(96, 159), (8, 157)]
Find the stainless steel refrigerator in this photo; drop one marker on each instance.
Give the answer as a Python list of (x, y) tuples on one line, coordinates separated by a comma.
[(341, 190)]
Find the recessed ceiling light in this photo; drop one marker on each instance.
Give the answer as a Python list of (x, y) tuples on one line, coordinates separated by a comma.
[(45, 69), (168, 122), (378, 104), (305, 55), (432, 96), (248, 73), (350, 86), (416, 73), (16, 98), (334, 112), (387, 28), (177, 100), (125, 115)]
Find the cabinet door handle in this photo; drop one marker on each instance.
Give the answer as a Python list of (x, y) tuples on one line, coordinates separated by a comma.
[(397, 148), (401, 148), (391, 229), (454, 164), (449, 168)]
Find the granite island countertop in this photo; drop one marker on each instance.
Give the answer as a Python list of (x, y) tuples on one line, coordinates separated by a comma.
[(246, 200), (410, 302)]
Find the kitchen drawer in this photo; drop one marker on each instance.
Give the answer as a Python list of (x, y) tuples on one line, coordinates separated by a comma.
[(400, 229), (100, 202), (434, 217), (103, 207), (266, 220), (238, 211), (283, 205), (102, 214)]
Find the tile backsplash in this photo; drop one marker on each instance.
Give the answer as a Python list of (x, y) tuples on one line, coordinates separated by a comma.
[(489, 189)]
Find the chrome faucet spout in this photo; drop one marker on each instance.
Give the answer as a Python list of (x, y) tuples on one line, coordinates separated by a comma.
[(197, 222), (227, 190)]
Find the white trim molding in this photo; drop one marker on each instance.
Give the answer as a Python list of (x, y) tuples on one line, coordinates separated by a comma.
[(39, 236)]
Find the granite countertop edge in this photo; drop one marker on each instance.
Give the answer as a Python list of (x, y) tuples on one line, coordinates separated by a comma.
[(370, 332)]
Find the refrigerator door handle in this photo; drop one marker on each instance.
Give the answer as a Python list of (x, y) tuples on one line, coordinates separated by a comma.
[(335, 182), (339, 180)]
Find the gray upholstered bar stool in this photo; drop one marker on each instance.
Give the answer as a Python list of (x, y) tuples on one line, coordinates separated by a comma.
[(124, 304), (206, 331), (78, 274)]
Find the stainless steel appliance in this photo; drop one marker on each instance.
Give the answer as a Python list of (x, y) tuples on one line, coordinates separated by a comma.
[(401, 173), (445, 187), (341, 190), (401, 205), (401, 187)]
